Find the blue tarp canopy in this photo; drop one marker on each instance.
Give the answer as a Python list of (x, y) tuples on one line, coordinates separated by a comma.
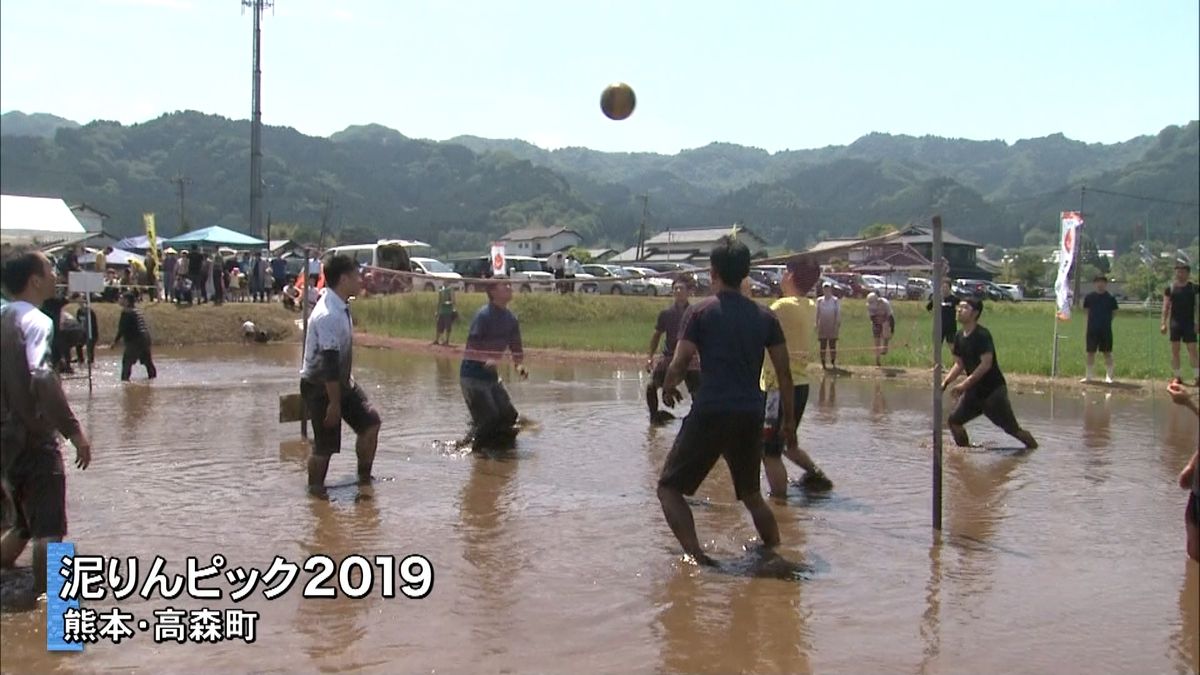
[(215, 236)]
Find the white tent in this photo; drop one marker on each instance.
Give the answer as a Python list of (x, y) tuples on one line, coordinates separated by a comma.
[(37, 220)]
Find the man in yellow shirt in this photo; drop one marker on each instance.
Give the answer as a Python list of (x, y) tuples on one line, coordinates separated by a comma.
[(796, 313), (102, 259)]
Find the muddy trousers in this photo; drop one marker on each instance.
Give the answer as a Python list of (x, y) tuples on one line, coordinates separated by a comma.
[(135, 352), (492, 411)]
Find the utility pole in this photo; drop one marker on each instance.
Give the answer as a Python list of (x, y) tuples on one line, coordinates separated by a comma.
[(1078, 262), (181, 182), (641, 247), (256, 182), (326, 211)]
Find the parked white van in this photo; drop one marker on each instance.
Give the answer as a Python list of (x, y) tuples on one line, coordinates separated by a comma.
[(435, 268), (389, 254)]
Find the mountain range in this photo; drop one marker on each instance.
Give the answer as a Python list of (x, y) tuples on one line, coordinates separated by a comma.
[(462, 193)]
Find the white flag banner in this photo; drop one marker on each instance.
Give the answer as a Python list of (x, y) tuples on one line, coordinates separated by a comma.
[(499, 269), (1068, 241)]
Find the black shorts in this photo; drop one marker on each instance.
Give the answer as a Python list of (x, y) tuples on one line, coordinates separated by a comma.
[(1099, 341), (1183, 332), (356, 411), (706, 436), (948, 335), (995, 406), (659, 375), (772, 418), (1192, 513), (277, 285), (445, 322), (36, 484)]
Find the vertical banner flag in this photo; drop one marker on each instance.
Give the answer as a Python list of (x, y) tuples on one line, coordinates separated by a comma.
[(1067, 244), (499, 269), (61, 607), (151, 239)]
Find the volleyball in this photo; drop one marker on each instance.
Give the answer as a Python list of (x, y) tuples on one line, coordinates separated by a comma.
[(618, 101)]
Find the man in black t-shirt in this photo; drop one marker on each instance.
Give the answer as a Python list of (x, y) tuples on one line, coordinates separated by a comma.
[(1179, 316), (1100, 305), (669, 322), (985, 391), (730, 332)]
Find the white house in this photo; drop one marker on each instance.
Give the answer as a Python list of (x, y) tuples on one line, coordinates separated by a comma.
[(688, 245), (91, 218), (37, 220), (540, 241)]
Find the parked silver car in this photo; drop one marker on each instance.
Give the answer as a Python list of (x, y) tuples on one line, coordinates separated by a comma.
[(616, 280)]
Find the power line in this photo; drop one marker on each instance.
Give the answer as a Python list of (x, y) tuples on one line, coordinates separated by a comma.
[(1143, 198)]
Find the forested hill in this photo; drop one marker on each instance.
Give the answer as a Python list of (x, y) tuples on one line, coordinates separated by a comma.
[(460, 194)]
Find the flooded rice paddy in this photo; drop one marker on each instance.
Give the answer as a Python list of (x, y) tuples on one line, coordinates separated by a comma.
[(1069, 558)]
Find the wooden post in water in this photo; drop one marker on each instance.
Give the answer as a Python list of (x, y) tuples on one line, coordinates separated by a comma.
[(304, 333), (939, 273)]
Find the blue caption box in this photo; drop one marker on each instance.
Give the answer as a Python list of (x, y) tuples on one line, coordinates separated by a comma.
[(56, 607)]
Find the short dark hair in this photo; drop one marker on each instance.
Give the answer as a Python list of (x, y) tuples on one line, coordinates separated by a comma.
[(20, 269), (975, 304), (1180, 265), (1100, 277), (681, 281), (336, 266), (730, 261), (805, 273)]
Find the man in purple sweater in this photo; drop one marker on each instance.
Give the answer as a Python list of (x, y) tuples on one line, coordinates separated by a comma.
[(493, 330)]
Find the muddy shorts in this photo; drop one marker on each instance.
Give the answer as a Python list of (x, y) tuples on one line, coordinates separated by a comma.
[(772, 441), (1099, 341), (659, 375), (707, 436), (995, 406), (35, 490), (356, 411), (1183, 332)]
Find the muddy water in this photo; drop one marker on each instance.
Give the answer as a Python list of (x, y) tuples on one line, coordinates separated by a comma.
[(1067, 559)]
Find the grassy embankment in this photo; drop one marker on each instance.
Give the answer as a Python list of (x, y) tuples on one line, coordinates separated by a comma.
[(624, 324), (200, 324)]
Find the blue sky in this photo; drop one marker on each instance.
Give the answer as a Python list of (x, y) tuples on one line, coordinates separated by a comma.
[(775, 75)]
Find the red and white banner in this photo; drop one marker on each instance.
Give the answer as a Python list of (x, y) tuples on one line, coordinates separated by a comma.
[(1068, 243), (499, 268)]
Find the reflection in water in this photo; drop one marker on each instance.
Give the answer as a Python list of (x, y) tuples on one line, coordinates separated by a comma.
[(931, 632), (1097, 418), (827, 398), (1186, 642), (138, 402), (714, 624), (334, 626), (879, 406), (491, 546), (447, 371), (976, 506)]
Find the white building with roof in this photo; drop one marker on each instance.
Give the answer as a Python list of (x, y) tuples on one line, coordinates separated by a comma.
[(38, 220), (540, 241), (688, 245)]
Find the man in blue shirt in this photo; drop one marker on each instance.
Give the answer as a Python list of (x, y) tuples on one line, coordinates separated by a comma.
[(730, 332), (493, 330)]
